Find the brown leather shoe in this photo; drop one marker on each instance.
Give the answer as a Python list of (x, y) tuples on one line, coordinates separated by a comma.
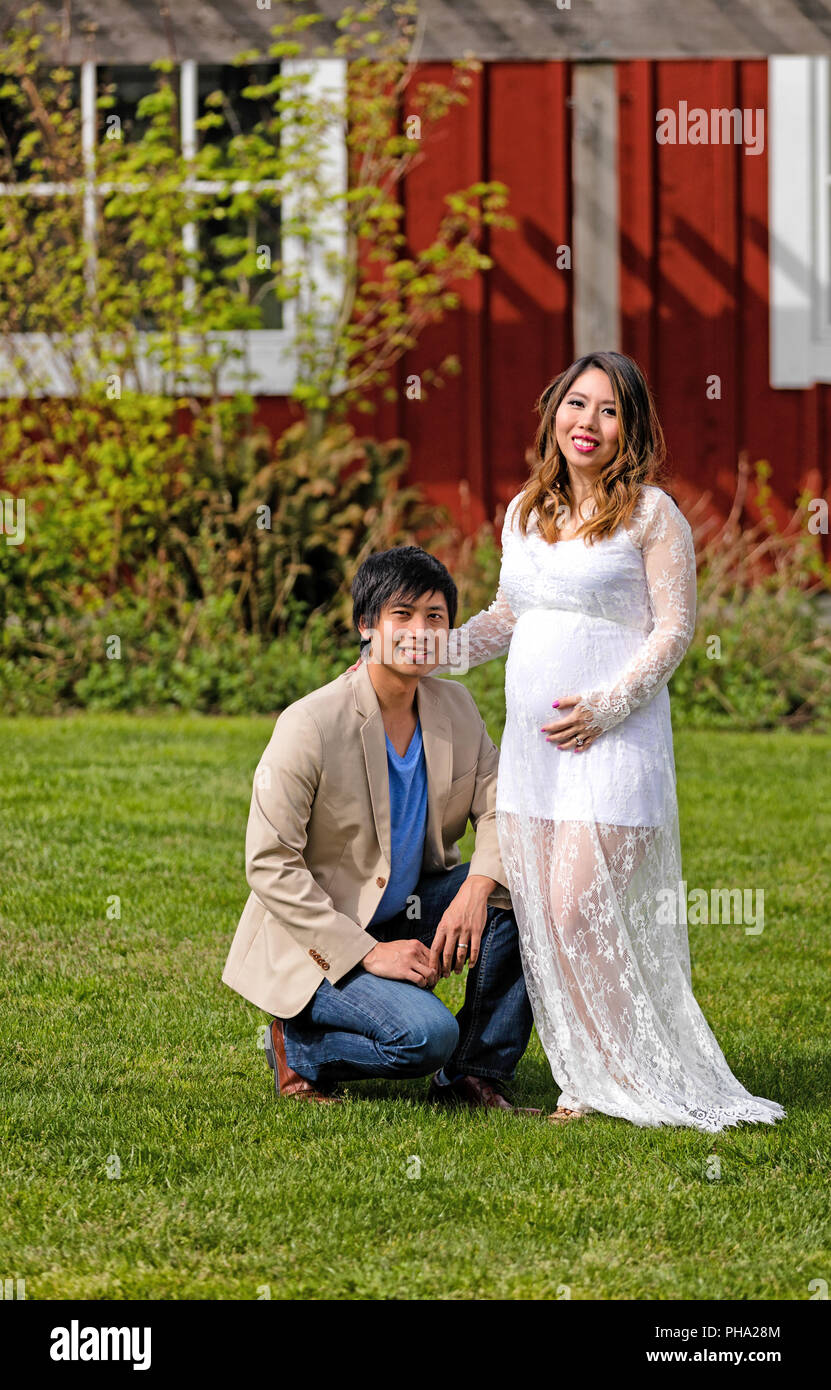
[(474, 1091), (286, 1081)]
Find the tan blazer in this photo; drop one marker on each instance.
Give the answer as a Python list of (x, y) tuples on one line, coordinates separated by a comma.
[(317, 848)]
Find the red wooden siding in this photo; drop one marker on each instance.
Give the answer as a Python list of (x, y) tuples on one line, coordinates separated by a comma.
[(514, 327), (693, 288)]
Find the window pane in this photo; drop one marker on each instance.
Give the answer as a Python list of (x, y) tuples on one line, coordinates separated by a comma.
[(138, 289), (125, 265), (241, 113), (126, 84), (224, 239), (221, 234), (39, 236), (43, 161), (42, 285)]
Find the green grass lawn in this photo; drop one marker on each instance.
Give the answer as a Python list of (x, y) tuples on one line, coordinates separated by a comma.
[(121, 1046)]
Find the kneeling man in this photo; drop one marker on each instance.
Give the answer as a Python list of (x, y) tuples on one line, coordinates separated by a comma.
[(359, 902)]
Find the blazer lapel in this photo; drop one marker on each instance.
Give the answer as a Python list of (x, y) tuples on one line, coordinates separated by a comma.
[(375, 757), (437, 737)]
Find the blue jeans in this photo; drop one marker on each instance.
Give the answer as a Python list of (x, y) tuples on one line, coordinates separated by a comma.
[(365, 1026)]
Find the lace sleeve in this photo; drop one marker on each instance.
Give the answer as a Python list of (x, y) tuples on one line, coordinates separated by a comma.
[(669, 562), (487, 634)]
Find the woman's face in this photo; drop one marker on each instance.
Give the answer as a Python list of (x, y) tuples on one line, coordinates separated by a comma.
[(586, 424)]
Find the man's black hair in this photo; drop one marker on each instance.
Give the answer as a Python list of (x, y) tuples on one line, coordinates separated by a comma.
[(403, 573)]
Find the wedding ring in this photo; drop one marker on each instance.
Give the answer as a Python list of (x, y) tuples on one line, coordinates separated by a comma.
[(579, 742), (462, 946)]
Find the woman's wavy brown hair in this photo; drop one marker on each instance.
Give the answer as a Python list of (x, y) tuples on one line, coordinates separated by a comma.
[(640, 456)]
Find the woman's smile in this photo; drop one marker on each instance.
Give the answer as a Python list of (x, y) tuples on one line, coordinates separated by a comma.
[(584, 443)]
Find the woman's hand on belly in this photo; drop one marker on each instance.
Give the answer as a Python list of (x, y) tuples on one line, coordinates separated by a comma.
[(575, 729)]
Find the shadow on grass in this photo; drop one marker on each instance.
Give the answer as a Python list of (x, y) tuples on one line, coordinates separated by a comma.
[(533, 1085), (797, 1080)]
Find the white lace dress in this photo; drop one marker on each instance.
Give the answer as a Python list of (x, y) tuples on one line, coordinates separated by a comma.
[(589, 839)]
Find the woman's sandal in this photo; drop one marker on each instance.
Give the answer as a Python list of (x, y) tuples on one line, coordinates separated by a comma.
[(562, 1115)]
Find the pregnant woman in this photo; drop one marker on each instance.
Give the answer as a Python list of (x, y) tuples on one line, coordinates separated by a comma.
[(596, 607)]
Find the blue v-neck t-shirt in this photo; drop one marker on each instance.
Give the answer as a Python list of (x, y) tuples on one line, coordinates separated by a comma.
[(408, 824)]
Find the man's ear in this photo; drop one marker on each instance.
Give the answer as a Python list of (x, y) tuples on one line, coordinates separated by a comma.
[(363, 631)]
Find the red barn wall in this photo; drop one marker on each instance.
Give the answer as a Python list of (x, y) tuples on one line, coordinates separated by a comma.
[(693, 289)]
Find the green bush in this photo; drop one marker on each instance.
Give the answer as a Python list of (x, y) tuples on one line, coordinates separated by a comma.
[(222, 670), (761, 655)]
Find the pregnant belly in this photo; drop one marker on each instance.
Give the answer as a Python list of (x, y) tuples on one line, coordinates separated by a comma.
[(626, 777), (555, 652)]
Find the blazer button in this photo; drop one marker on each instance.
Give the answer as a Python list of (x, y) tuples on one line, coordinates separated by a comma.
[(380, 881)]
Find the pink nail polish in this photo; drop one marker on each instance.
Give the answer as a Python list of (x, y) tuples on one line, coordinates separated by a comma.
[(555, 704)]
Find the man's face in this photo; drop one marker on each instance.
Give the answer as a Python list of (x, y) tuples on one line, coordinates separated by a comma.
[(411, 636)]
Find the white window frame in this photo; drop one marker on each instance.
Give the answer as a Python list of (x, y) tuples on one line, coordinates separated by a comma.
[(268, 353), (799, 192)]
